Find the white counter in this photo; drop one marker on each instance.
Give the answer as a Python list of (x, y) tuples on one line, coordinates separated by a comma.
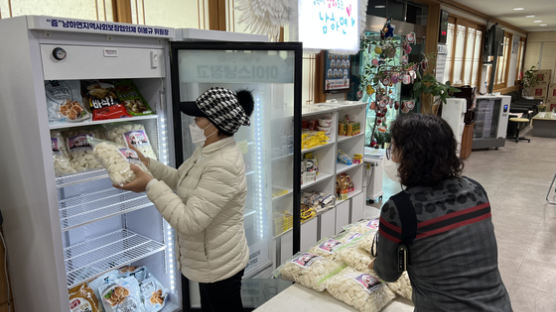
[(300, 299)]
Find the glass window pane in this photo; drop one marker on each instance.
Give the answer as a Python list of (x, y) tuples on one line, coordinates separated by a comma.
[(449, 45), (458, 57), (476, 58), (468, 62)]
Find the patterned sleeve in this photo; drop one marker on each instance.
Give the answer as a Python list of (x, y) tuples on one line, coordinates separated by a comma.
[(387, 241)]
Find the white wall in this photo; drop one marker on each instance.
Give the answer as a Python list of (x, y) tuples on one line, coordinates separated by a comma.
[(541, 51), (80, 9)]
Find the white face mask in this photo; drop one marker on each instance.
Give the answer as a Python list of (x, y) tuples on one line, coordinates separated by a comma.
[(198, 134)]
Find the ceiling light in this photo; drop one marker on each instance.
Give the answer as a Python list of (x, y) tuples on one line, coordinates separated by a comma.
[(518, 9), (380, 6), (530, 16), (543, 25), (537, 21)]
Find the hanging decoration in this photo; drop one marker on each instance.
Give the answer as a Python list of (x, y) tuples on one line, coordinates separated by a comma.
[(264, 16)]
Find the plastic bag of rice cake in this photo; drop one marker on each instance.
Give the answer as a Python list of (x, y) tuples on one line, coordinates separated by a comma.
[(122, 296), (117, 160), (131, 134), (402, 286), (363, 291), (364, 226), (62, 163), (349, 236), (79, 149), (326, 248), (366, 242), (309, 270), (153, 294), (356, 258)]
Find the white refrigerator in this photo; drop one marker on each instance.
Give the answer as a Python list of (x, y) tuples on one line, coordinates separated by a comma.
[(61, 231)]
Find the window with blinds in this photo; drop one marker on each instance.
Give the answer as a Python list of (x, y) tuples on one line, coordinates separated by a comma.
[(520, 57), (463, 46)]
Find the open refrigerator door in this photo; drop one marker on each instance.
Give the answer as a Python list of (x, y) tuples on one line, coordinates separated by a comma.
[(268, 70)]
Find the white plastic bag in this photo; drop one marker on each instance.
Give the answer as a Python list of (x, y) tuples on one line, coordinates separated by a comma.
[(356, 258), (131, 134), (363, 291), (326, 248), (80, 151), (122, 296), (116, 159), (153, 294), (309, 270), (402, 286), (62, 163)]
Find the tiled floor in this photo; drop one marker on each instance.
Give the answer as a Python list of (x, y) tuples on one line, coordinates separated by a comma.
[(516, 178)]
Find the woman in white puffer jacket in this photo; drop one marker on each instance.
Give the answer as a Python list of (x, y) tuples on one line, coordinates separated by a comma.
[(204, 198)]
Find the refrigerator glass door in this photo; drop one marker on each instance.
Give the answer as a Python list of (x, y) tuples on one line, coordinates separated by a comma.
[(268, 71), (486, 118)]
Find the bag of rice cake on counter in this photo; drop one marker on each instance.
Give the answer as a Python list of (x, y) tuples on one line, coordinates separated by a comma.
[(117, 160), (327, 248), (363, 291), (356, 258), (309, 270), (402, 286)]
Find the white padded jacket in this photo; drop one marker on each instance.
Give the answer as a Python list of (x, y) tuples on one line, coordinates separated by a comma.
[(203, 200)]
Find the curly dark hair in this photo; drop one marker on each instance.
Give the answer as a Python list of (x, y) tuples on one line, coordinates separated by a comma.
[(426, 149)]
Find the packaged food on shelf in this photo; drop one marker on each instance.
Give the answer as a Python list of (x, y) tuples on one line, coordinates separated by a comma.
[(80, 151), (153, 294), (103, 100), (317, 200), (309, 168), (83, 299), (308, 270), (344, 158), (122, 295), (62, 163), (277, 192), (310, 139), (402, 286), (307, 212), (344, 186), (103, 281), (347, 127), (363, 291), (117, 160), (129, 96), (357, 158), (131, 134), (64, 101), (140, 273)]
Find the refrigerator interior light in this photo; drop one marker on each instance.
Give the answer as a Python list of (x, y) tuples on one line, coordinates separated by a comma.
[(260, 169)]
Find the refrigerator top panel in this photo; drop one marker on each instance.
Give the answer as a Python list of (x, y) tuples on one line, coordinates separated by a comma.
[(97, 27), (193, 34)]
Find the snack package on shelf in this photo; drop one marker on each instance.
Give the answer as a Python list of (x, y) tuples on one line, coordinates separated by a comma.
[(80, 151), (129, 96), (325, 125), (62, 163), (357, 158), (64, 101), (319, 201), (363, 291), (103, 281), (284, 222), (122, 295), (153, 294), (309, 168), (131, 134), (308, 270), (83, 299), (402, 286), (103, 100), (116, 159), (310, 139), (307, 212), (348, 127), (140, 273), (344, 158), (344, 186)]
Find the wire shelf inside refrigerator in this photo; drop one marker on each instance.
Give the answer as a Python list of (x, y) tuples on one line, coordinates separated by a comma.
[(83, 210), (92, 258), (81, 177)]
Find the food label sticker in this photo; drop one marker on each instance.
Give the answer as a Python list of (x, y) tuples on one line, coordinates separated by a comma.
[(305, 260), (130, 155), (55, 147), (373, 224), (136, 138), (368, 282), (78, 141), (353, 237), (329, 246), (82, 305)]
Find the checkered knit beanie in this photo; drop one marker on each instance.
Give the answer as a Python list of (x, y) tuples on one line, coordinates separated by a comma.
[(222, 108)]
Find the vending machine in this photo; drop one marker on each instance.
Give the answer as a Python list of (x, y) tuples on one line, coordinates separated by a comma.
[(65, 79)]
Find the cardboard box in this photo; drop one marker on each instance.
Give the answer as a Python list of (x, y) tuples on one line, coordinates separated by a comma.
[(540, 91), (552, 92), (543, 75)]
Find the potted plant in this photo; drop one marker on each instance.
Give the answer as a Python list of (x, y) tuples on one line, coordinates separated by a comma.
[(431, 93), (529, 80)]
